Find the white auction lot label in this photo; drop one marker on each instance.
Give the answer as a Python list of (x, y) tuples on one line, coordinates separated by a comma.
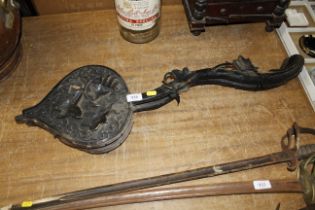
[(134, 97), (137, 15), (262, 184)]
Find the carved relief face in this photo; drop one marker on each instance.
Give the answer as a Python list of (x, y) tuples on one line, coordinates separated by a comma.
[(87, 109)]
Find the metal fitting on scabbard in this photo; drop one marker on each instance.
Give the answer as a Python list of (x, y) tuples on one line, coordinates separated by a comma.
[(290, 143)]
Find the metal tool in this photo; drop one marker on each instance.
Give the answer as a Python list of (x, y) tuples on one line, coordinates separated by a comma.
[(291, 153), (91, 108)]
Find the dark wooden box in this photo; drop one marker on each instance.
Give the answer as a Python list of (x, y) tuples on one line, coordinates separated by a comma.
[(202, 13)]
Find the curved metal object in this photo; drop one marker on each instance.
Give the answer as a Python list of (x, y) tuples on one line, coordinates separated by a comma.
[(88, 109), (307, 44), (10, 33), (307, 179)]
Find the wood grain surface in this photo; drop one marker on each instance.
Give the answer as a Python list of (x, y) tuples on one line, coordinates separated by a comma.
[(211, 125)]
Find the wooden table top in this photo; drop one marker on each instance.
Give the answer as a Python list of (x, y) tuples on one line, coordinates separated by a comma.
[(212, 124)]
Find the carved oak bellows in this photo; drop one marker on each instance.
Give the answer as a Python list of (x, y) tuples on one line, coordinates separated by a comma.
[(202, 13), (91, 108)]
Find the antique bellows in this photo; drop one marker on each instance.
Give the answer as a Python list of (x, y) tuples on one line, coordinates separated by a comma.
[(91, 108)]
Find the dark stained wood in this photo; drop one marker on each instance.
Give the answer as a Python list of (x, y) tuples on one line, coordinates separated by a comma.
[(202, 13)]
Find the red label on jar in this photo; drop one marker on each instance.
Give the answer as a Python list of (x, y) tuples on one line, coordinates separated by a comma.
[(138, 14)]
